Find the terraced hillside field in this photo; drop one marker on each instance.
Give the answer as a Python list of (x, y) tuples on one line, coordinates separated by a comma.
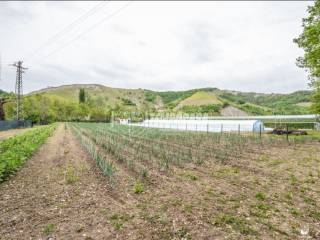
[(200, 98), (104, 181)]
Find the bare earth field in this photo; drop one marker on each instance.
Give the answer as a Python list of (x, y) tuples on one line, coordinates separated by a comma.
[(272, 193)]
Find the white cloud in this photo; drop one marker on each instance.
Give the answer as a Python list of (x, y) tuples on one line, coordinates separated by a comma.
[(243, 46)]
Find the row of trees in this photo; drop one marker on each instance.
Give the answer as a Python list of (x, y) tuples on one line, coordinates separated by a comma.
[(42, 108), (45, 109)]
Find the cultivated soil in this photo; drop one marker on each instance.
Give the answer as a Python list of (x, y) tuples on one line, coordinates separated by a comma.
[(60, 194)]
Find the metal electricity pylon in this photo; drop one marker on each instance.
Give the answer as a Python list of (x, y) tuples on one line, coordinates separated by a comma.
[(18, 89)]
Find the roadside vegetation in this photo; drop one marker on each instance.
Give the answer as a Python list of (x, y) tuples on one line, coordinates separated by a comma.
[(14, 151)]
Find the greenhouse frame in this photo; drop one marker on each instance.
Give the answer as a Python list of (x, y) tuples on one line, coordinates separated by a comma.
[(204, 125)]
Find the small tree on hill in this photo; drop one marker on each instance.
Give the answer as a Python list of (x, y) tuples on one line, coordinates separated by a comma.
[(82, 96)]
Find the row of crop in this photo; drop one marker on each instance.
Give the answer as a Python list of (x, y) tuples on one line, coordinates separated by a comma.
[(109, 144), (196, 139), (159, 138), (105, 166), (199, 146), (226, 144), (16, 150), (152, 153)]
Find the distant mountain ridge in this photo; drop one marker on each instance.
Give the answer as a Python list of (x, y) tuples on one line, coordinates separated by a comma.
[(190, 101)]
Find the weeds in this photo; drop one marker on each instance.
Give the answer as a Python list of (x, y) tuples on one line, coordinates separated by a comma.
[(260, 210), (188, 208), (118, 220), (293, 180), (48, 229), (144, 173), (315, 214), (295, 212), (239, 224), (191, 176), (260, 196), (70, 175), (183, 233), (138, 188)]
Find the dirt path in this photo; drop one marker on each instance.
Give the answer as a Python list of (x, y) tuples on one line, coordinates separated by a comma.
[(58, 193)]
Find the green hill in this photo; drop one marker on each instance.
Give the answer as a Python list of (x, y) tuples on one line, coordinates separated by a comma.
[(201, 102), (273, 103), (98, 94), (62, 103)]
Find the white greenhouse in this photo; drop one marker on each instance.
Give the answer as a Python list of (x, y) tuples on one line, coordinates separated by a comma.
[(205, 125)]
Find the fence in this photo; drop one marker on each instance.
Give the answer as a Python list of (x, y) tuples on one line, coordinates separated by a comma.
[(6, 125), (226, 127)]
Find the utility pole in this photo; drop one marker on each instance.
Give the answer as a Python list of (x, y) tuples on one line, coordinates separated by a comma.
[(18, 89)]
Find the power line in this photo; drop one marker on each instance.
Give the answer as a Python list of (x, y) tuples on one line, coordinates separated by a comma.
[(68, 28), (89, 29)]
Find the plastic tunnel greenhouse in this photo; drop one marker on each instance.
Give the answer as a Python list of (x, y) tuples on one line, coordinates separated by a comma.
[(205, 125)]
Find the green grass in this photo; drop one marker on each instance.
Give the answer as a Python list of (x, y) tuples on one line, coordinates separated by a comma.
[(16, 150), (200, 98)]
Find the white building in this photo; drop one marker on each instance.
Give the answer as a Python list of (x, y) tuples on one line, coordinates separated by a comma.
[(124, 121)]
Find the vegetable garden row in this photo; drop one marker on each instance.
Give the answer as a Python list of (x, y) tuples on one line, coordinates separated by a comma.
[(16, 150)]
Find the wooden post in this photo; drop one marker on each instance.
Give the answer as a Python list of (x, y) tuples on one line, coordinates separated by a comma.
[(260, 131), (287, 128)]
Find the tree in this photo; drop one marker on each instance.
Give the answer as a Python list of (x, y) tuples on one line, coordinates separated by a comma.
[(309, 41), (82, 96)]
